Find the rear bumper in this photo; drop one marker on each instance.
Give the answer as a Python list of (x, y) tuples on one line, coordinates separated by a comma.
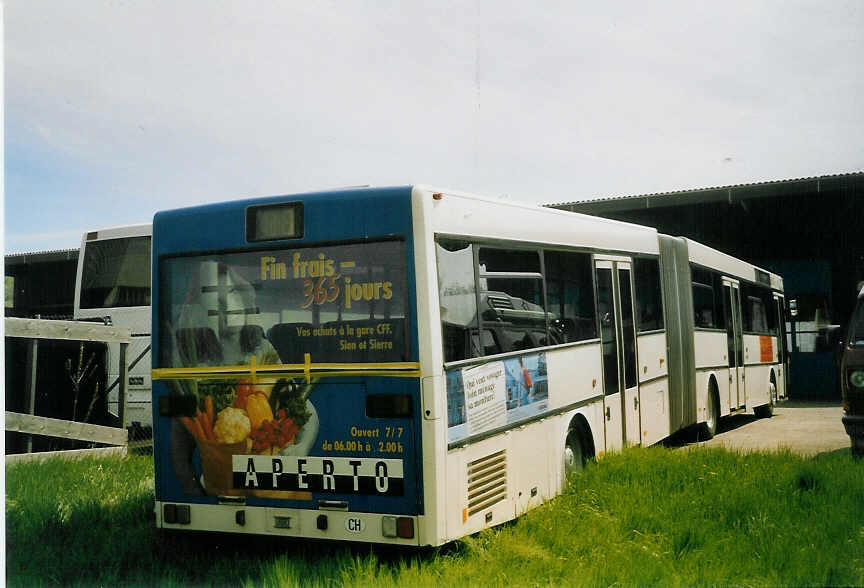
[(287, 522), (854, 424)]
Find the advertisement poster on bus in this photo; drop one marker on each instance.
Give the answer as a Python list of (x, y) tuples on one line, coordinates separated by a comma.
[(273, 440), (496, 394), (338, 303), (267, 436)]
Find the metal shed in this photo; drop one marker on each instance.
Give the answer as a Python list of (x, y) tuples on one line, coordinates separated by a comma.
[(809, 230)]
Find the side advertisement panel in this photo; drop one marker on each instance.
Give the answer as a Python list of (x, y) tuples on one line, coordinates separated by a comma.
[(496, 394)]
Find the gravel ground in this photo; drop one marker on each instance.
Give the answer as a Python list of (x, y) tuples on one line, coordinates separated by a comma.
[(802, 428)]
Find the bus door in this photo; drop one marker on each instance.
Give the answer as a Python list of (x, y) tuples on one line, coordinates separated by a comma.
[(618, 338), (780, 309), (735, 341)]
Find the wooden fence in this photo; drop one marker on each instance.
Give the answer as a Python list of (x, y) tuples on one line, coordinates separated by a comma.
[(28, 423)]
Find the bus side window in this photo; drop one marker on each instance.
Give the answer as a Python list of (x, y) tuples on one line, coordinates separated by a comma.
[(511, 296), (455, 341), (759, 322), (756, 306), (570, 295), (719, 308), (457, 298), (771, 314), (485, 344), (704, 306), (649, 301)]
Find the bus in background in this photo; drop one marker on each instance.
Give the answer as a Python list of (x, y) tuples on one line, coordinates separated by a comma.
[(113, 285), (411, 365), (731, 333)]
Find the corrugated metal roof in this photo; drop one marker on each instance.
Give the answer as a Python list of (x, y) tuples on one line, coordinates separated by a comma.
[(46, 255), (710, 189)]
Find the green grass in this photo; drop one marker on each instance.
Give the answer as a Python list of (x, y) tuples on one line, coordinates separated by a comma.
[(655, 516)]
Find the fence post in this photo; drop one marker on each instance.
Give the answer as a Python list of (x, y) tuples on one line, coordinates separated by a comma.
[(32, 358), (124, 384)]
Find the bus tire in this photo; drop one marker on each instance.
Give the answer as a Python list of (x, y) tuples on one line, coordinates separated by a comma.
[(766, 411), (712, 420), (574, 453)]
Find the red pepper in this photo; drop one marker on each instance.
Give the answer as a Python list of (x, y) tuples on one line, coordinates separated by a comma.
[(244, 390)]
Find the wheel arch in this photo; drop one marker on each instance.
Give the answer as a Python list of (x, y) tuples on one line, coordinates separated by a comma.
[(712, 387), (580, 424)]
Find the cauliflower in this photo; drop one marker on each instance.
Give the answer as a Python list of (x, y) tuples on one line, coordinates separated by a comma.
[(232, 425)]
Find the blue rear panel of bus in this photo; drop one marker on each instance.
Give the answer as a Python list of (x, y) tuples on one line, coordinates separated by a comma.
[(220, 300)]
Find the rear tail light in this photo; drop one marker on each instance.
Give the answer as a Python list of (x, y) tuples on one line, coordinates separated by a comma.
[(405, 527), (402, 527), (176, 514)]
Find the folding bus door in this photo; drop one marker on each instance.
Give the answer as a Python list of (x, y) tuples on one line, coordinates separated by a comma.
[(780, 309), (735, 340), (618, 338)]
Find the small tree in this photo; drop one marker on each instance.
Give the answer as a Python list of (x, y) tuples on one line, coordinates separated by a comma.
[(83, 372)]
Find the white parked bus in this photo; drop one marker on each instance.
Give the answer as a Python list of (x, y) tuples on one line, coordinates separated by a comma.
[(445, 359), (113, 285)]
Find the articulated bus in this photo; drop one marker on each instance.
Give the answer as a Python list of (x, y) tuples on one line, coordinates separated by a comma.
[(113, 285), (410, 365)]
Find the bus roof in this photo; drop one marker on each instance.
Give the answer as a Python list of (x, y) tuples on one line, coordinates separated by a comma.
[(532, 223), (476, 216), (136, 230), (709, 257)]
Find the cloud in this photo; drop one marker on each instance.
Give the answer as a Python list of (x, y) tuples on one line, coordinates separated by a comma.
[(126, 108)]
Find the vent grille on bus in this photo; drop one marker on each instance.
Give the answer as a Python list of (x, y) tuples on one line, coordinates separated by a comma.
[(500, 301), (487, 482)]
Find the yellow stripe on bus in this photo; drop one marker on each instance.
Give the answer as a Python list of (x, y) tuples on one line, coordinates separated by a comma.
[(307, 369)]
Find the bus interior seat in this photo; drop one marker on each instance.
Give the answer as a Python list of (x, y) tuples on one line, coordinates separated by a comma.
[(251, 337), (204, 342), (283, 337)]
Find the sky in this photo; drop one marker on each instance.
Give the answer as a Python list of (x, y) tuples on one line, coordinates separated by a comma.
[(117, 109)]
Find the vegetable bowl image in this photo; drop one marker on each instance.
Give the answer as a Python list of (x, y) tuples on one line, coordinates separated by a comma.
[(241, 418)]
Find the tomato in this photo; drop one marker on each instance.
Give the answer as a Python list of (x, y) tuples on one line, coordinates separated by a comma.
[(244, 390)]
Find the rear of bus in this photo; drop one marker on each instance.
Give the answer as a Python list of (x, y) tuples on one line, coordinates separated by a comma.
[(286, 384), (113, 286)]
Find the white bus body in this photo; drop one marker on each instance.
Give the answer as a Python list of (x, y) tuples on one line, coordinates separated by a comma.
[(506, 401), (113, 284), (529, 457)]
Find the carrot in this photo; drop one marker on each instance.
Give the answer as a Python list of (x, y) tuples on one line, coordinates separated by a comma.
[(206, 427), (208, 406), (194, 427)]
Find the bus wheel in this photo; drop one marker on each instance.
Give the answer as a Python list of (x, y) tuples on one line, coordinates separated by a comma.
[(574, 455), (709, 427), (766, 411)]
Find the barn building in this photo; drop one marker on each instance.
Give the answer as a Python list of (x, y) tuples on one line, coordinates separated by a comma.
[(809, 230)]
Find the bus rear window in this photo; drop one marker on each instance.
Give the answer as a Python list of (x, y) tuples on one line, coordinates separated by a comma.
[(338, 303), (116, 273)]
